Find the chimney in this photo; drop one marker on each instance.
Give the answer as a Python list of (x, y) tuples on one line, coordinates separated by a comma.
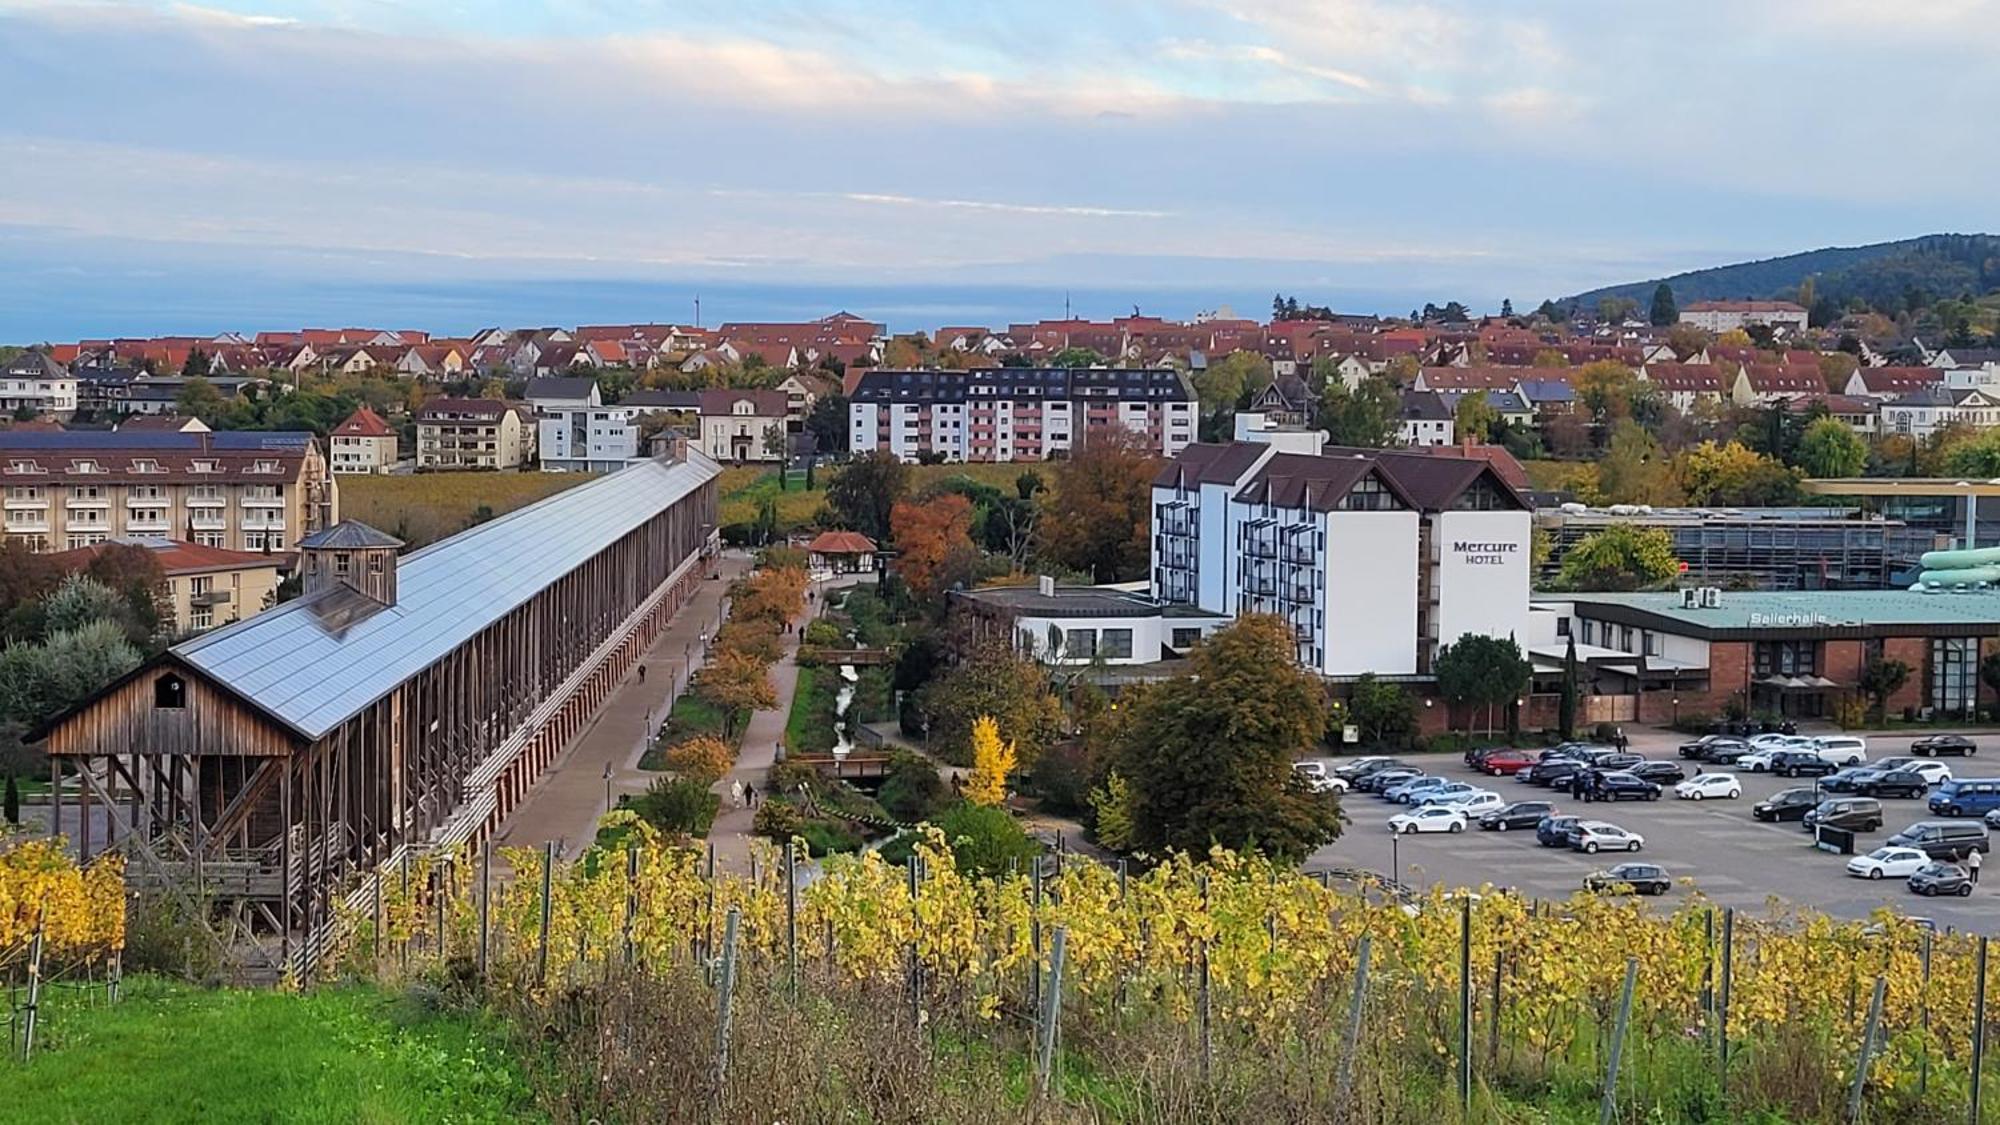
[(350, 554), (1046, 585)]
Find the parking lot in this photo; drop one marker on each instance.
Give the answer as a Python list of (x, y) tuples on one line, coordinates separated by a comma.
[(1731, 858)]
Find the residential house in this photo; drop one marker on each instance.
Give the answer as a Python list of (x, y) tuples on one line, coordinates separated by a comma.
[(739, 425), (34, 383), (576, 432), (455, 434), (205, 587), (161, 424), (803, 389), (1483, 377), (1682, 385), (1759, 384), (842, 552), (1286, 400), (432, 361), (1920, 414), (1427, 419), (1723, 316), (1892, 382), (1546, 393), (364, 443)]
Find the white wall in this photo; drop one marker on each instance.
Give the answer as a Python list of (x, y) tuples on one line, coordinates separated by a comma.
[(1482, 574), (1032, 636), (1371, 593)]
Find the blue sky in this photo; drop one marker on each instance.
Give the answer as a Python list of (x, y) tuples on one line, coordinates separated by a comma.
[(256, 163)]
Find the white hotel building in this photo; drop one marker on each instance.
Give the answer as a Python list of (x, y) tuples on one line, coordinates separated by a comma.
[(1017, 413)]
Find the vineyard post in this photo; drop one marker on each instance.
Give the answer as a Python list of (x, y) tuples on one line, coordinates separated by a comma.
[(1867, 1051), (1493, 1029), (1121, 881), (115, 980), (1207, 1041), (792, 913), (1609, 1105), (377, 951), (1052, 1009), (1722, 1002), (1924, 1017), (1354, 1008), (1035, 938), (485, 909), (1708, 974), (34, 1008), (548, 887), (1465, 1003), (1978, 1026), (708, 944), (915, 983), (403, 947), (724, 995), (439, 880), (631, 897)]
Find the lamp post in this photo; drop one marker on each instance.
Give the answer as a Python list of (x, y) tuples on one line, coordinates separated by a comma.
[(607, 787), (1677, 710), (1395, 858)]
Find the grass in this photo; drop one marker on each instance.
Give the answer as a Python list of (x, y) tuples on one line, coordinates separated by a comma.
[(743, 488), (691, 715), (809, 726), (424, 508), (170, 1052)]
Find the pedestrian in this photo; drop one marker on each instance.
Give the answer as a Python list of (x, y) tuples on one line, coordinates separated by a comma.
[(642, 673), (750, 795), (1972, 862), (1618, 736), (735, 794)]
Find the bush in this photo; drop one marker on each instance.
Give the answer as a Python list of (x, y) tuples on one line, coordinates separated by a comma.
[(678, 806), (829, 837), (791, 777), (757, 639), (1062, 777), (824, 633), (984, 838), (778, 821), (913, 789), (778, 558), (703, 758)]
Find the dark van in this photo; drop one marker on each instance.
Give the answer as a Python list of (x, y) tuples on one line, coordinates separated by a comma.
[(1966, 796), (1943, 839), (1855, 814)]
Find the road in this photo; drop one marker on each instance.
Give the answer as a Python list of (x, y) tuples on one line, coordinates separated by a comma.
[(1729, 856)]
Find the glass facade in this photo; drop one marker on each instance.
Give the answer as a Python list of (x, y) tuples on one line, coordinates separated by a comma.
[(1954, 679)]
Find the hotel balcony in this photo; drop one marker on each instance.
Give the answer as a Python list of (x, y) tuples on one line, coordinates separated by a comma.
[(206, 502), (150, 520), (210, 598), (98, 504), (145, 501), (263, 501), (208, 521), (268, 523), (38, 523)]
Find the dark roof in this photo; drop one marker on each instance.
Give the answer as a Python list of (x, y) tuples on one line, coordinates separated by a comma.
[(1319, 484), (1427, 406), (768, 404), (1210, 463), (549, 386), (1114, 383), (235, 441), (439, 408), (662, 400), (349, 535), (33, 364)]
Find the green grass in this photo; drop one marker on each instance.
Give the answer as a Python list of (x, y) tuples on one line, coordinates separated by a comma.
[(171, 1052), (741, 489), (691, 715)]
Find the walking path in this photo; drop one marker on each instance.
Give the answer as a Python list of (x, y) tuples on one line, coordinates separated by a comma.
[(565, 804)]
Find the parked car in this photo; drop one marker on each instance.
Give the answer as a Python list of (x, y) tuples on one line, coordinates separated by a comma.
[(1618, 761), (1430, 818), (1727, 753), (1944, 839), (1357, 768), (1471, 804), (1775, 741), (1700, 748), (1894, 783), (1847, 780), (1520, 814), (1618, 785), (1758, 761), (1553, 831), (1801, 763), (1933, 771), (1992, 819), (1576, 751), (1593, 836), (1551, 771), (1939, 745), (1383, 780), (1933, 879), (1785, 804), (1659, 773), (1639, 878), (1966, 796), (1403, 794), (1432, 794), (1318, 778), (1703, 786), (1508, 762), (1888, 861), (1855, 814), (1841, 749)]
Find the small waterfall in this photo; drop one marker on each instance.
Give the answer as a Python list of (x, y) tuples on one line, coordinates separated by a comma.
[(842, 744)]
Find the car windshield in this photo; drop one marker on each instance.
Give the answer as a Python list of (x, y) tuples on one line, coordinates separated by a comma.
[(1885, 853)]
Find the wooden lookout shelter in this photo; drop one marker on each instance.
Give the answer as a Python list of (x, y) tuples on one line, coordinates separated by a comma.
[(397, 705)]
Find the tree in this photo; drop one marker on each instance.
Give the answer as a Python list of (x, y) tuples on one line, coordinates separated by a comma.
[(1209, 754), (863, 494), (1226, 381), (1613, 310), (1635, 470), (196, 365), (827, 422), (1604, 390), (1831, 448), (990, 678), (704, 758), (985, 840), (734, 683), (1665, 311), (1077, 357), (1731, 474), (80, 601), (1836, 368), (1384, 714), (1688, 340), (1100, 519), (1111, 813), (1507, 308), (1621, 557), (76, 663), (1881, 679), (933, 542), (198, 398), (992, 761), (1475, 417), (1566, 705), (1366, 417), (1481, 671), (913, 791)]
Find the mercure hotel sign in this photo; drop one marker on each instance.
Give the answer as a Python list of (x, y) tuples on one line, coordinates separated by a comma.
[(1483, 554)]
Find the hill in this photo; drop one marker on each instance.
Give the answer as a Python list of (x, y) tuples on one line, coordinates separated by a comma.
[(1884, 274)]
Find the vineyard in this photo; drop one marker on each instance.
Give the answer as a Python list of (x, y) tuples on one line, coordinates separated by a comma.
[(1222, 990), (423, 508)]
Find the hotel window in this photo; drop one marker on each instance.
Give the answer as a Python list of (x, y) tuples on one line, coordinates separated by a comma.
[(1954, 673), (1370, 495), (253, 540), (208, 538)]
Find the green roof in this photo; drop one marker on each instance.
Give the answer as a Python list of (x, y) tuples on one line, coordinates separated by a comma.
[(1760, 610)]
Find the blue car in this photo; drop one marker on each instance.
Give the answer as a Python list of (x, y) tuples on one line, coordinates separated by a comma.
[(1966, 797), (1408, 792)]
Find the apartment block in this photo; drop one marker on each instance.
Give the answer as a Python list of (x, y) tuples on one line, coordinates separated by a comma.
[(364, 443), (35, 383), (458, 434), (1017, 413)]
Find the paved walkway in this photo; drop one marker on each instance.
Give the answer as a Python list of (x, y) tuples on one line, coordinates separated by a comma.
[(565, 804)]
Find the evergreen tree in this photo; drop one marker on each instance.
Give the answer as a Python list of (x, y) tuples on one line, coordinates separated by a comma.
[(1507, 307), (1665, 310), (1566, 715)]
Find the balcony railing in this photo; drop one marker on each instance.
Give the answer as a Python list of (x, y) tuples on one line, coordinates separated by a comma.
[(210, 598)]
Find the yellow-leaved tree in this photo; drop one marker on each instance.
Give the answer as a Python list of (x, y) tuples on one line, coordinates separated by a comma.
[(992, 761)]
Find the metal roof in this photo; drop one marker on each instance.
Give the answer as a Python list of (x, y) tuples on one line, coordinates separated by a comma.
[(349, 535), (314, 662), (1974, 611)]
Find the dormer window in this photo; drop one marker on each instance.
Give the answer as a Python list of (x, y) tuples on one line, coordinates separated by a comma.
[(23, 467), (264, 467), (203, 466), (145, 465), (84, 467)]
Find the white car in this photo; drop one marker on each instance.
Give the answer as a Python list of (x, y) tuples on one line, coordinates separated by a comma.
[(1781, 742), (1759, 761), (1430, 818), (1705, 785), (1931, 770), (1596, 836), (1841, 749), (1473, 803), (1318, 778), (1887, 863)]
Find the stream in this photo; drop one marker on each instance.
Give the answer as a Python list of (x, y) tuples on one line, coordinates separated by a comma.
[(842, 744)]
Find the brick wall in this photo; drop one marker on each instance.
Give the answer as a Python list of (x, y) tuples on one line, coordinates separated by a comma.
[(1916, 652)]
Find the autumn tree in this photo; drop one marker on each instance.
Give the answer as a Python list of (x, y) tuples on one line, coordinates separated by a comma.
[(992, 761), (1687, 340), (863, 494), (1635, 470), (1100, 518), (1222, 386), (990, 678), (703, 758), (933, 542), (1111, 813), (734, 683), (1604, 390), (1621, 557), (1830, 448), (1474, 417), (1732, 474), (1209, 754)]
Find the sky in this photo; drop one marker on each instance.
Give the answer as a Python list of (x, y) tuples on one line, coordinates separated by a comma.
[(455, 163)]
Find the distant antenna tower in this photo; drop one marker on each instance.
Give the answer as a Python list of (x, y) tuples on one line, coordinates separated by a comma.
[(1066, 312), (697, 310)]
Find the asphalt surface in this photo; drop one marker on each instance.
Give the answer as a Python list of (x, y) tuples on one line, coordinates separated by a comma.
[(1714, 845)]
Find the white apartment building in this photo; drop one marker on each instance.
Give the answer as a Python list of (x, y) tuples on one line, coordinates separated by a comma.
[(577, 433), (1722, 316), (364, 443), (1017, 413), (1920, 414), (36, 383)]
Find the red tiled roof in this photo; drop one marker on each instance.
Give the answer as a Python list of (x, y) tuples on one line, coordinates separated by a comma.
[(1486, 378), (842, 543), (363, 423), (175, 557)]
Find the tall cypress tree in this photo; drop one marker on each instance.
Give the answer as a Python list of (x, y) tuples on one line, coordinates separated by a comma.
[(1665, 310), (1566, 715)]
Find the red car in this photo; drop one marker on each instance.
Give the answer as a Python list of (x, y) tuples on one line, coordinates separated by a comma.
[(1508, 761)]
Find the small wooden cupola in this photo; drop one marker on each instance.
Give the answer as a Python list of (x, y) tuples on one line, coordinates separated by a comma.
[(354, 555)]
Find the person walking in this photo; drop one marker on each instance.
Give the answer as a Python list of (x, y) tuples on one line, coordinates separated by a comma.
[(750, 795), (1972, 862), (642, 673), (735, 794)]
